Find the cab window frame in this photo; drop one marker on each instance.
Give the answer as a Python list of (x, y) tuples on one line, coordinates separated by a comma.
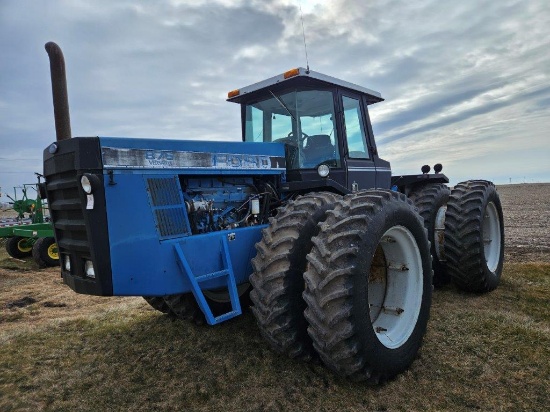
[(363, 127), (335, 133)]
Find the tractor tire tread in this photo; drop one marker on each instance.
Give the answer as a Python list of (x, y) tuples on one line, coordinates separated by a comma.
[(158, 303), (184, 306), (329, 289), (277, 280), (428, 199), (464, 246), (40, 252)]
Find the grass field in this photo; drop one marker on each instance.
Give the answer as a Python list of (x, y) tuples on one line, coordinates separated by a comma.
[(61, 351)]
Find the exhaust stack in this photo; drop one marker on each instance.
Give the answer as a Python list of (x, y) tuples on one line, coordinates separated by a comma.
[(59, 92)]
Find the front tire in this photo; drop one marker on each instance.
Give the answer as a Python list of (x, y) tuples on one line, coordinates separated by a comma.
[(184, 306), (279, 265), (158, 303), (369, 286), (474, 236)]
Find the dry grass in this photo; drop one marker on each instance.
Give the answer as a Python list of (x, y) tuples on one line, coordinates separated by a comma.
[(64, 351)]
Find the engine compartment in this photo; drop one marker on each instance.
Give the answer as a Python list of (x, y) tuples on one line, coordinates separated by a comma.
[(216, 203)]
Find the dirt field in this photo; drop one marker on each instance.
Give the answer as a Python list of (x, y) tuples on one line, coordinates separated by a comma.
[(64, 351), (526, 221)]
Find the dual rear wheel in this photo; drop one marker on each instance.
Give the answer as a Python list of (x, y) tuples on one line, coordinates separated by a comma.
[(474, 236), (466, 230)]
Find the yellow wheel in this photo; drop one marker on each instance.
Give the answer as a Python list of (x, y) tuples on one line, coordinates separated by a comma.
[(24, 246), (52, 251), (45, 252), (19, 247)]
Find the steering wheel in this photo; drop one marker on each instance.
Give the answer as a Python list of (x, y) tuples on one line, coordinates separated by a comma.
[(301, 139)]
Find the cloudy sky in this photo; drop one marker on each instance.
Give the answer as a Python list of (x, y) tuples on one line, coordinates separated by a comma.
[(466, 83)]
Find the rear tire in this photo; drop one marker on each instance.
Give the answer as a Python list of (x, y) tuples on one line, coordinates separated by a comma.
[(279, 265), (369, 286), (431, 202), (44, 252), (474, 236), (19, 247)]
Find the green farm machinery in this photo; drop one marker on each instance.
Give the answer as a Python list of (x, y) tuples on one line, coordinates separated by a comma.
[(25, 204), (32, 235)]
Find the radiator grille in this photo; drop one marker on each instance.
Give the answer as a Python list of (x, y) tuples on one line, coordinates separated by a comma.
[(163, 191), (66, 210), (168, 207)]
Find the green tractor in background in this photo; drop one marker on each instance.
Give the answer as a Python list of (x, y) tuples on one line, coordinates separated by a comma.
[(32, 235)]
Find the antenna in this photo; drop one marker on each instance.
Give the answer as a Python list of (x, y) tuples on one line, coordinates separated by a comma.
[(304, 34)]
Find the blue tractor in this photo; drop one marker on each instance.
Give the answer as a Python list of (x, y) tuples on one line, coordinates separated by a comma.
[(302, 219)]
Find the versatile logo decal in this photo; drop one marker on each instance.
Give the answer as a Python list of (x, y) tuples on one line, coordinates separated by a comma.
[(160, 158)]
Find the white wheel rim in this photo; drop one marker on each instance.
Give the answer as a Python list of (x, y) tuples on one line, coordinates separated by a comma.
[(491, 237), (395, 297)]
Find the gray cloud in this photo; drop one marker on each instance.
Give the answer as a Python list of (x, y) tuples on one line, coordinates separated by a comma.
[(461, 81)]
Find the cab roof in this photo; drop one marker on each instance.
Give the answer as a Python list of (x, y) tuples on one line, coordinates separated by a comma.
[(297, 77)]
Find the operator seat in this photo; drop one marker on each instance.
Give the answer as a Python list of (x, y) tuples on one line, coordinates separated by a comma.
[(318, 148)]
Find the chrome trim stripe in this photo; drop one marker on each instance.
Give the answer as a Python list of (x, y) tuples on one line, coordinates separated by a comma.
[(172, 159), (363, 169)]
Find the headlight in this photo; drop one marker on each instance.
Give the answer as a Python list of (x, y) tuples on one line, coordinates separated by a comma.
[(89, 269), (53, 148), (86, 184), (323, 170), (67, 263)]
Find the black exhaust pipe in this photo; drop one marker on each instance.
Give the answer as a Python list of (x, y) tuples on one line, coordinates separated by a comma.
[(59, 92)]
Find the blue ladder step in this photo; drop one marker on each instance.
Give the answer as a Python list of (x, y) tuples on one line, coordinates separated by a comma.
[(226, 272), (213, 275), (227, 316)]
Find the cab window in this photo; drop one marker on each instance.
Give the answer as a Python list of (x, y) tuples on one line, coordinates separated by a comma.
[(302, 119), (355, 129)]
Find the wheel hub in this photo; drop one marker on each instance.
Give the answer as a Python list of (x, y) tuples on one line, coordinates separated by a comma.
[(395, 287)]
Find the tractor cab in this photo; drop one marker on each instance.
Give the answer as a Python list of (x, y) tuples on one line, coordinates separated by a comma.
[(325, 125)]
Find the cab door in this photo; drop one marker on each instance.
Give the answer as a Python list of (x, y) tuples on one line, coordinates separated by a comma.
[(358, 157)]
